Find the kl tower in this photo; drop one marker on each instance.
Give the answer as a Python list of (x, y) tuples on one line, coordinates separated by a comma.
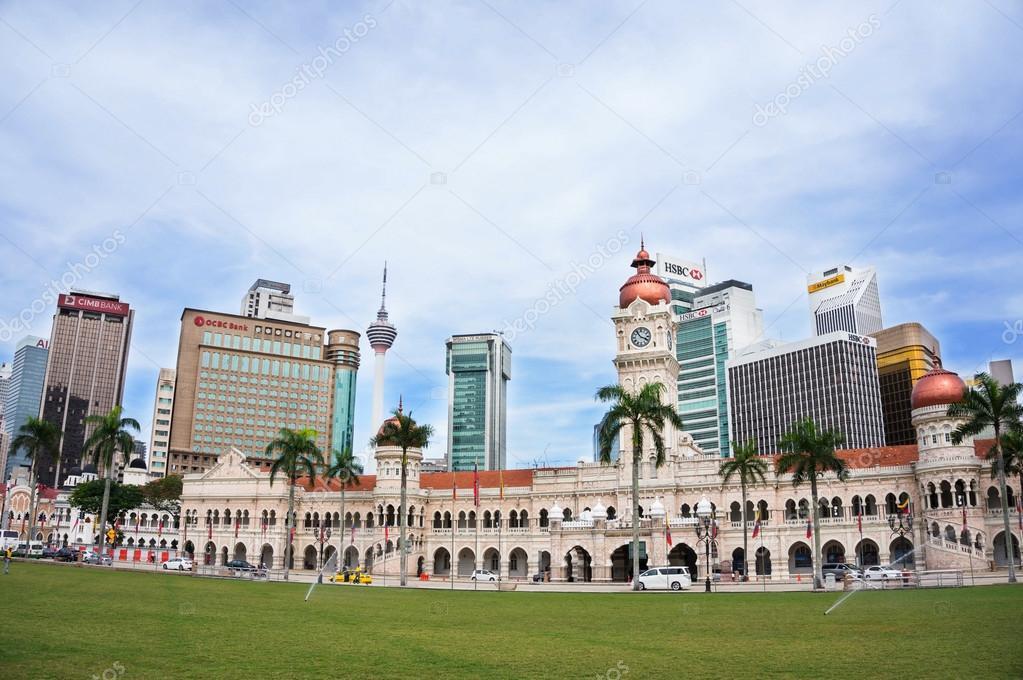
[(381, 334)]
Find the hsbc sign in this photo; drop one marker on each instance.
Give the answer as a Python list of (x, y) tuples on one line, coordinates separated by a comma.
[(700, 313), (691, 273)]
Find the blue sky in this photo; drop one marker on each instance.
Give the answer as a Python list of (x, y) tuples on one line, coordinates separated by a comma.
[(486, 148)]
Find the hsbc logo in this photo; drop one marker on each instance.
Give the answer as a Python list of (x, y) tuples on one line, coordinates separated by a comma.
[(686, 271)]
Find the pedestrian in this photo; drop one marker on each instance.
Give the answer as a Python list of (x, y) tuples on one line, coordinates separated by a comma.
[(7, 560)]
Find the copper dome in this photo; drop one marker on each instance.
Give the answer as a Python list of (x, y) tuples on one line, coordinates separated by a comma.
[(937, 387), (643, 284), (392, 419)]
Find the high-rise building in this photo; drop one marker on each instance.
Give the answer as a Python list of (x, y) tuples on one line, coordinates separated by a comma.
[(239, 380), (381, 334), (159, 439), (831, 378), (1001, 371), (478, 369), (714, 323), (267, 299), (24, 393), (343, 350), (905, 353), (845, 299), (85, 371)]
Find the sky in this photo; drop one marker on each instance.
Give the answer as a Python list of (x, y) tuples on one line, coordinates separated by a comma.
[(493, 152)]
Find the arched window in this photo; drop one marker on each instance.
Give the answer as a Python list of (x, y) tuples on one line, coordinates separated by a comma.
[(524, 519), (611, 512), (545, 520), (869, 505), (436, 520)]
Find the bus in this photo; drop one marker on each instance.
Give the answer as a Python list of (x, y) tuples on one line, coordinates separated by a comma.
[(8, 539)]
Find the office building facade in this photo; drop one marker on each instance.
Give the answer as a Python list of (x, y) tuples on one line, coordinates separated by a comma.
[(239, 380), (343, 350), (267, 299), (478, 369), (845, 299), (85, 371), (163, 407), (905, 353), (24, 394), (831, 378)]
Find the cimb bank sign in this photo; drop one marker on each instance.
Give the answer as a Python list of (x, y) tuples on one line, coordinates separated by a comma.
[(692, 273)]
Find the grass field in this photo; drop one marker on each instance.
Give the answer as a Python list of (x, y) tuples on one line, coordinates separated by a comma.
[(61, 622)]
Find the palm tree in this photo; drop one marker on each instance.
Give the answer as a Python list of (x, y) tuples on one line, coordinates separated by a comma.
[(1012, 455), (991, 405), (112, 432), (750, 468), (640, 411), (37, 438), (809, 454), (295, 454), (346, 468), (402, 431)]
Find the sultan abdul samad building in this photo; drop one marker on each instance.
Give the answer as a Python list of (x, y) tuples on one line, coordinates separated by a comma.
[(576, 521)]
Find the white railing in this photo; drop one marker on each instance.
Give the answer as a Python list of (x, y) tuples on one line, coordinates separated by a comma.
[(577, 524), (954, 546)]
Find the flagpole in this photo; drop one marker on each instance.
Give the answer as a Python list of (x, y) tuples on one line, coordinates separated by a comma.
[(453, 565), (476, 500)]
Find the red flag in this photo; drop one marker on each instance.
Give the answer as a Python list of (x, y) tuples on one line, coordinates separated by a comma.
[(454, 488), (756, 524), (263, 526), (159, 529), (714, 530), (476, 484), (809, 529), (209, 526), (667, 531), (235, 528), (386, 533)]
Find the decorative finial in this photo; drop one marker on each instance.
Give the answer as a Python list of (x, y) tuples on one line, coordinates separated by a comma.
[(399, 404), (383, 293), (642, 245)]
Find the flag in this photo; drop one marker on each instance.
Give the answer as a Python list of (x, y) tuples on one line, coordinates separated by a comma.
[(209, 526), (964, 518), (263, 526), (904, 507), (756, 524), (235, 528), (321, 533), (809, 529), (353, 534), (859, 520), (714, 530), (386, 533), (1019, 512), (159, 529), (667, 530), (454, 488), (476, 484), (137, 520), (500, 476)]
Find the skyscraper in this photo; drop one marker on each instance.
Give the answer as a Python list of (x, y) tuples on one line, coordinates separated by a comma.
[(905, 353), (163, 406), (478, 369), (381, 334), (845, 299), (239, 380), (714, 323), (24, 392), (84, 371), (343, 350), (831, 378)]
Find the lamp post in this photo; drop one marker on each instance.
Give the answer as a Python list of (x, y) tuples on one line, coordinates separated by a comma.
[(900, 525), (705, 532)]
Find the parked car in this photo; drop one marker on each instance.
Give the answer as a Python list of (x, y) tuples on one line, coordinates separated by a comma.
[(877, 573), (352, 576), (840, 570), (484, 575), (662, 578), (96, 558), (240, 565), (178, 564), (66, 555), (49, 552), (32, 549)]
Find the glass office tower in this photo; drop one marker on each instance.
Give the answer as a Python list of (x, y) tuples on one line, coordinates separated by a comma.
[(478, 368)]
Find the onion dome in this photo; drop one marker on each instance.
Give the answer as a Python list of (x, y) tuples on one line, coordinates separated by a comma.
[(392, 419), (586, 516), (599, 511), (138, 464), (643, 284), (555, 512), (75, 471), (937, 387), (657, 509)]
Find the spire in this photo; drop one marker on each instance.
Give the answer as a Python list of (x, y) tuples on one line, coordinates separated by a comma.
[(399, 404)]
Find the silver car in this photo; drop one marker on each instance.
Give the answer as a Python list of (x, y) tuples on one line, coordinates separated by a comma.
[(96, 558)]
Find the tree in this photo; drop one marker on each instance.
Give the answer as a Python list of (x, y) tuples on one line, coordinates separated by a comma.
[(401, 431), (1012, 455), (749, 467), (88, 497), (37, 438), (991, 405), (642, 411), (295, 454), (809, 454), (112, 432), (345, 468), (164, 494)]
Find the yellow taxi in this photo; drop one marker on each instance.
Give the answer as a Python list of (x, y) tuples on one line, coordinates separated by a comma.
[(356, 576)]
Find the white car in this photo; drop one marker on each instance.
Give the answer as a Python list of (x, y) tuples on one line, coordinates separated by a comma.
[(484, 575), (95, 558), (663, 578), (178, 564), (881, 574)]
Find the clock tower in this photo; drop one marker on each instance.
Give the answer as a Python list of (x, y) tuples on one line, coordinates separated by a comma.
[(645, 334)]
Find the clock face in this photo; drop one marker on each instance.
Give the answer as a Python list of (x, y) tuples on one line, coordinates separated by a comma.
[(641, 337)]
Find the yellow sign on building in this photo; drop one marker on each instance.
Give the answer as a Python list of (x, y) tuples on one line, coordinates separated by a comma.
[(826, 283)]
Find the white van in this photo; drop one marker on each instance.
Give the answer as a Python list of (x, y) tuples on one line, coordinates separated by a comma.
[(33, 549), (8, 539), (662, 578)]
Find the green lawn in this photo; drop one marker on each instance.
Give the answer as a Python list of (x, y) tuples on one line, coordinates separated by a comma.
[(62, 622)]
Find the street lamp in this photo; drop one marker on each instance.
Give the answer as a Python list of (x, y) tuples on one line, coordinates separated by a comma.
[(900, 525), (705, 531)]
